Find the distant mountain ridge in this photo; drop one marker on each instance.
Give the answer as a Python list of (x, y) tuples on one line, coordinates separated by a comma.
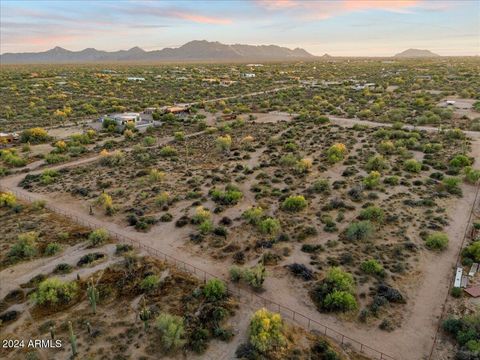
[(197, 50), (416, 53)]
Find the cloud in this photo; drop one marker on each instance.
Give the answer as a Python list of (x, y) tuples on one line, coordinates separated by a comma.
[(152, 10), (320, 10)]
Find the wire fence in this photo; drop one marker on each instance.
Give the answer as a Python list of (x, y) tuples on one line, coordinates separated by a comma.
[(248, 297)]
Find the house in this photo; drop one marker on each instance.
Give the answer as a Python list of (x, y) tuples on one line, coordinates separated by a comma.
[(149, 110), (177, 110), (134, 78), (450, 102), (248, 75), (254, 65), (123, 118)]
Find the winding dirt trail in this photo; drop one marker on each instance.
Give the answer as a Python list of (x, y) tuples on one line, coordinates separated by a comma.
[(411, 342)]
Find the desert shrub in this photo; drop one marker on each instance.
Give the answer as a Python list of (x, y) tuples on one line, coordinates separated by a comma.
[(231, 196), (206, 226), (321, 186), (155, 176), (172, 331), (224, 143), (303, 166), (472, 176), (376, 163), (253, 215), (98, 237), (149, 141), (392, 180), (25, 247), (372, 180), (269, 226), (466, 332), (437, 241), (168, 151), (372, 213), (340, 301), (386, 147), (179, 135), (412, 165), (106, 201), (201, 214), (123, 248), (8, 200), (301, 270), (10, 157), (150, 282), (215, 290), (336, 153), (294, 203), (288, 160), (53, 291), (372, 267), (52, 248), (266, 331), (254, 276), (56, 158), (112, 159), (34, 136), (39, 204), (335, 292), (451, 185), (472, 251), (460, 161), (162, 199), (322, 350), (360, 231)]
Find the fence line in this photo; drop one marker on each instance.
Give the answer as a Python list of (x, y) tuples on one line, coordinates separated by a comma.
[(249, 296)]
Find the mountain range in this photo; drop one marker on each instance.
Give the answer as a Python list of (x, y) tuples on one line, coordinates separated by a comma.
[(197, 50), (416, 53)]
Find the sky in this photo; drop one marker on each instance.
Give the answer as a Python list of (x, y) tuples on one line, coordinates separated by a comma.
[(338, 27)]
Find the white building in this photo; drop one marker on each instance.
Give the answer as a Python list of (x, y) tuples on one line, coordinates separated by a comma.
[(248, 75), (123, 118), (134, 78)]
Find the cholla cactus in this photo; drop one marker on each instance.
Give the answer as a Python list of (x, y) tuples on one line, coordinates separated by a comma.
[(93, 295)]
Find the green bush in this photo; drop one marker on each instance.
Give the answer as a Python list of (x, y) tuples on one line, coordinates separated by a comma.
[(360, 231), (376, 163), (472, 251), (335, 292), (52, 248), (460, 161), (98, 237), (451, 185), (372, 213), (172, 331), (25, 247), (215, 290), (7, 200), (168, 151), (437, 241), (255, 276), (321, 186), (150, 283), (269, 226), (340, 301), (53, 291), (231, 196), (372, 267), (294, 203), (412, 165), (149, 141), (253, 215)]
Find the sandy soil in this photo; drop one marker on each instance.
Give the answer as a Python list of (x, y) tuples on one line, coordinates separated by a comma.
[(412, 341)]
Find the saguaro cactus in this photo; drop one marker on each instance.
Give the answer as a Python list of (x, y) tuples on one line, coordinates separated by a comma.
[(145, 315), (73, 339), (93, 295), (52, 332)]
